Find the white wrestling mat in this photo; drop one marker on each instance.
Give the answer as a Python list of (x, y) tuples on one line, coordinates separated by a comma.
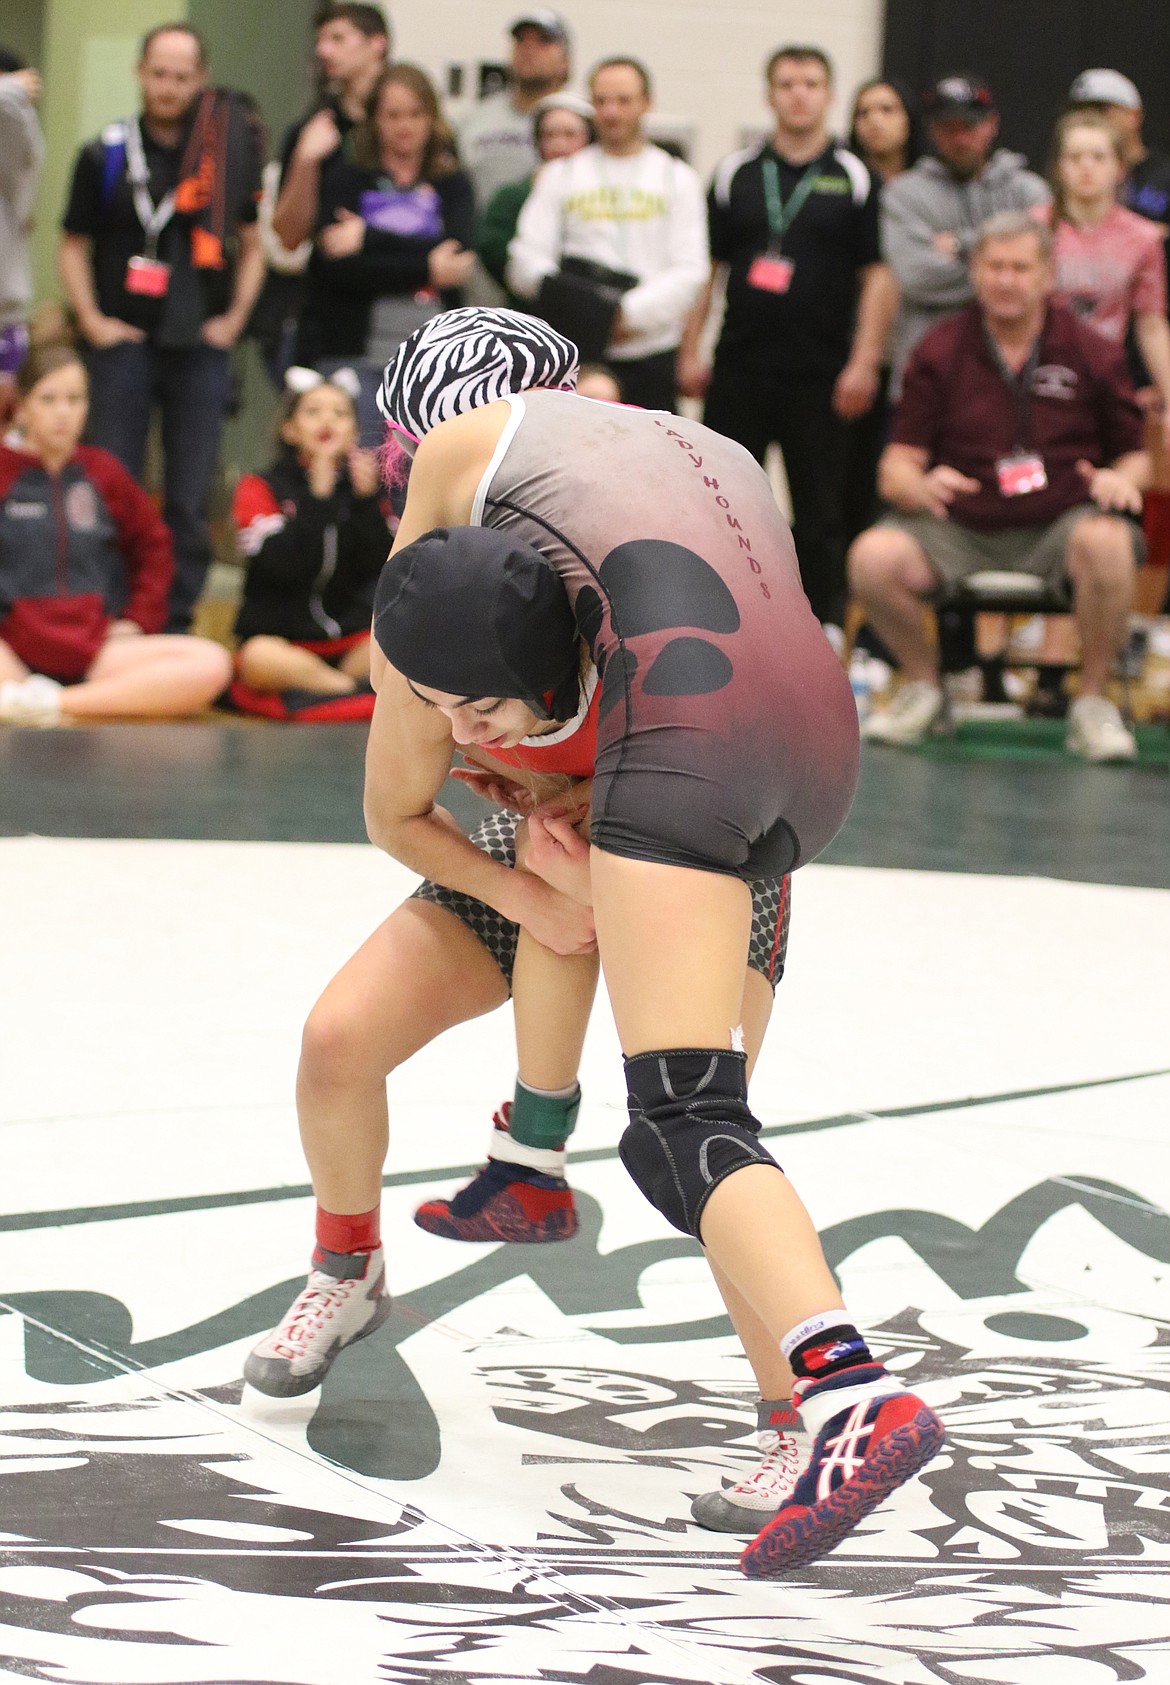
[(966, 1077)]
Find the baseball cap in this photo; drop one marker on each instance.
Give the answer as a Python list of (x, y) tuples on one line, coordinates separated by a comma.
[(959, 96), (1104, 87), (549, 23)]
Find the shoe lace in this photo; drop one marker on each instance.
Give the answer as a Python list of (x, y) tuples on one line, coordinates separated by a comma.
[(313, 1308), (778, 1467)]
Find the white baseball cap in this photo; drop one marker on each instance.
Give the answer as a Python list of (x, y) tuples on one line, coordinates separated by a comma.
[(549, 23), (1104, 87)]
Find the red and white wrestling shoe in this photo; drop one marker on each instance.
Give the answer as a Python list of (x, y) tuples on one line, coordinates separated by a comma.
[(869, 1446)]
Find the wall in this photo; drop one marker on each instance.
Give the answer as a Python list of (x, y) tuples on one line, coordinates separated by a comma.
[(1030, 50), (21, 24), (706, 56)]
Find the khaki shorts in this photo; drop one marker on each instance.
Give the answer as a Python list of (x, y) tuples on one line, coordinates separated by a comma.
[(955, 552)]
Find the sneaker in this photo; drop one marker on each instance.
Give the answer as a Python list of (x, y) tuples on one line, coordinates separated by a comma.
[(916, 706), (1097, 732), (742, 1508), (32, 701), (504, 1202), (334, 1310), (861, 1454)]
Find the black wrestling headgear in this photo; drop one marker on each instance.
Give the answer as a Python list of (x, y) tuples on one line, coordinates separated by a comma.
[(474, 612)]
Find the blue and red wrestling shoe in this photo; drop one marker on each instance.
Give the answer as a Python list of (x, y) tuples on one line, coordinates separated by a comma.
[(504, 1202), (864, 1451)]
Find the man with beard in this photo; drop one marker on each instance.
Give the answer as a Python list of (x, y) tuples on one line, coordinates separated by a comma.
[(932, 213), (496, 144), (160, 258)]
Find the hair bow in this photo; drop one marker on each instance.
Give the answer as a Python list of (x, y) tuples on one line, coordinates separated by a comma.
[(301, 380)]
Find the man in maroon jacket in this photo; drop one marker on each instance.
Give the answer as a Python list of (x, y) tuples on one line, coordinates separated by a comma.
[(1016, 447)]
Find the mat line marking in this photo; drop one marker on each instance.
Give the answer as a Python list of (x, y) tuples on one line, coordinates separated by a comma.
[(22, 1221), (506, 1556)]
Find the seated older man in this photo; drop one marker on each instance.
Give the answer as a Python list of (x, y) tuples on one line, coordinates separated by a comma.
[(1015, 447)]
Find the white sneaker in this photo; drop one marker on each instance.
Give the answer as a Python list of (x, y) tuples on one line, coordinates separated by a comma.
[(907, 719), (744, 1507), (1097, 732), (331, 1313), (32, 701)]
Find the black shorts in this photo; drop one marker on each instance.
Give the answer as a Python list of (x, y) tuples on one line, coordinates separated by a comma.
[(496, 836)]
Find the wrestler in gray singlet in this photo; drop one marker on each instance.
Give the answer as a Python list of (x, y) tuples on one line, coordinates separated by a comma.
[(727, 737)]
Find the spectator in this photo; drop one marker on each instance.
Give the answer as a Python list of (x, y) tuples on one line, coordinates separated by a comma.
[(85, 563), (21, 153), (314, 535), (391, 247), (595, 381), (931, 214), (496, 142), (631, 211), (1017, 447), (351, 48), (885, 133), (809, 307), (562, 124), (1110, 263), (1146, 189), (884, 129), (161, 261)]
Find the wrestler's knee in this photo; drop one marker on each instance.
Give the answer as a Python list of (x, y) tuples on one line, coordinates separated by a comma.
[(690, 1128), (335, 1042)]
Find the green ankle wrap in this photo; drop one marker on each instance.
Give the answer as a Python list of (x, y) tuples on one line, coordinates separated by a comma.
[(540, 1120)]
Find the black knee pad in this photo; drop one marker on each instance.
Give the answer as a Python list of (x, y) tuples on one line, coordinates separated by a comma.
[(689, 1128)]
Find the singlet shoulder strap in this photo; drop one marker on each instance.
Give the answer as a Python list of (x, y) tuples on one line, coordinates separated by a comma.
[(516, 405)]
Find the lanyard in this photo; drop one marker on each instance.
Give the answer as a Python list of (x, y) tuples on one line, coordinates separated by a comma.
[(1021, 388), (153, 218), (781, 216)]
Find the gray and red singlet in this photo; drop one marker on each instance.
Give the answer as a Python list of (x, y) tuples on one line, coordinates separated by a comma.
[(727, 734)]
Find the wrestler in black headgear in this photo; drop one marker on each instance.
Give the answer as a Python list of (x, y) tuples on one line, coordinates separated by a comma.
[(473, 612)]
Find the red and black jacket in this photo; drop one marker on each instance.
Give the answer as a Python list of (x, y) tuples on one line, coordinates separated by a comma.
[(313, 562), (78, 550)]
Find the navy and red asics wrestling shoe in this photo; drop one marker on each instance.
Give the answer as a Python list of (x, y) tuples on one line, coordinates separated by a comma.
[(864, 1451), (504, 1202)]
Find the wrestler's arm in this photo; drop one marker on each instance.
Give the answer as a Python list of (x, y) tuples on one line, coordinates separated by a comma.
[(410, 747)]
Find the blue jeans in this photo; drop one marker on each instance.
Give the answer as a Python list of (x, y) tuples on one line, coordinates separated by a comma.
[(190, 385)]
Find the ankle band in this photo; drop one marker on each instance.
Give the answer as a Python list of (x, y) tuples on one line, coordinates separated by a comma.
[(827, 1352), (543, 1120), (360, 1232), (505, 1149)]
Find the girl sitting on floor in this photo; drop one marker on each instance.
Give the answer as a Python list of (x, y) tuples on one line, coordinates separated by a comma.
[(85, 565), (314, 533)]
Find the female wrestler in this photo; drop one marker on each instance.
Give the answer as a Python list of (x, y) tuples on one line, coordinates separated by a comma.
[(536, 522), (444, 957)]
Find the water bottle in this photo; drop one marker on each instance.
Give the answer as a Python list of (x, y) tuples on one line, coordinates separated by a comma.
[(861, 682)]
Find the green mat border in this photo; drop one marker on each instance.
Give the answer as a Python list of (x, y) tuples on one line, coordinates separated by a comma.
[(1030, 740)]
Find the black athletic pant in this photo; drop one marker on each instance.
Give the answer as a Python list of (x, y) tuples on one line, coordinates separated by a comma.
[(648, 382), (757, 409)]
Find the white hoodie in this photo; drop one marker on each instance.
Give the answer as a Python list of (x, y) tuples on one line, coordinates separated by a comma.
[(21, 153), (645, 213)]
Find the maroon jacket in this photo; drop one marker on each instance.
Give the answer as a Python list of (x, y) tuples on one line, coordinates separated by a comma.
[(957, 406), (78, 550)]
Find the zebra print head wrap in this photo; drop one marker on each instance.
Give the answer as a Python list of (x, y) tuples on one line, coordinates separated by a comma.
[(465, 358)]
